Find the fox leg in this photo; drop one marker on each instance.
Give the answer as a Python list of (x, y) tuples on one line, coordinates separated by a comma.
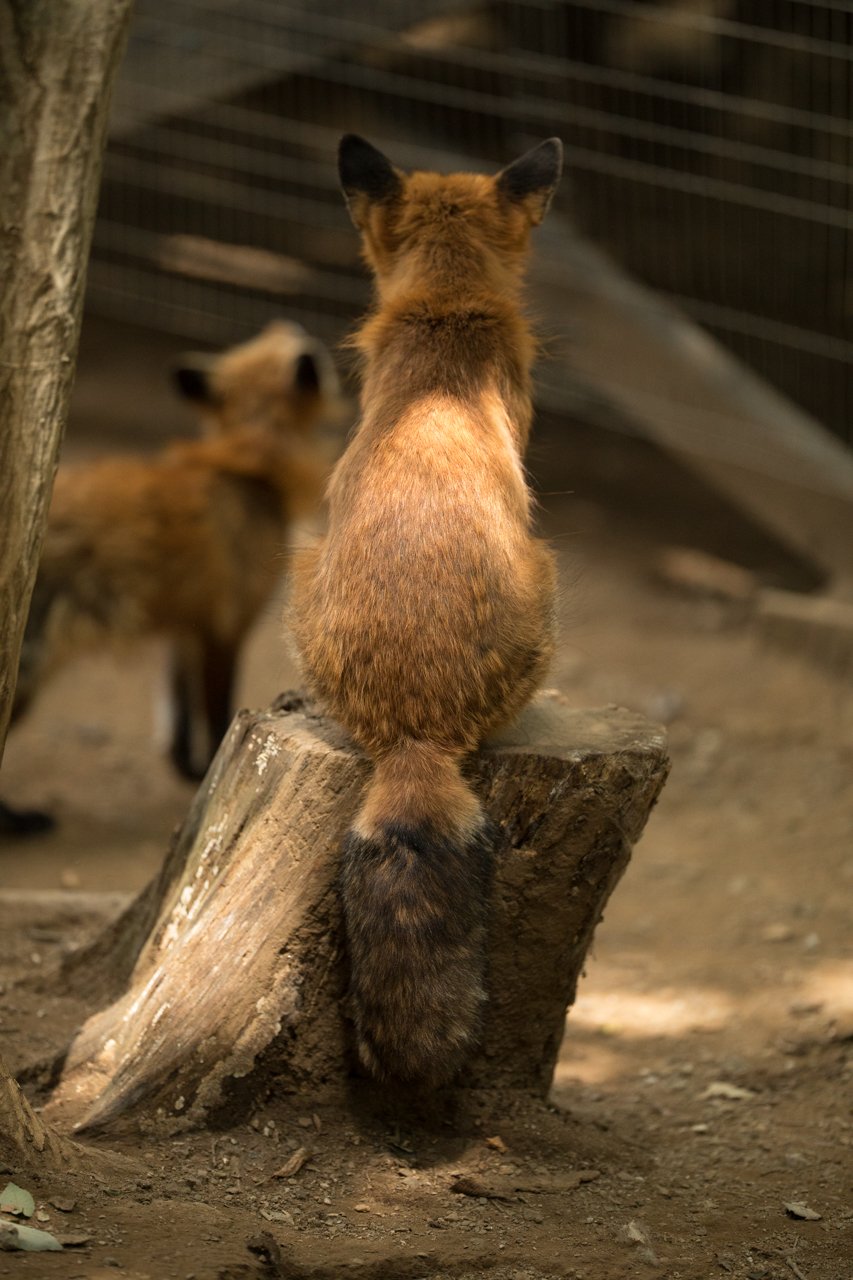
[(218, 675), (29, 822), (24, 822), (184, 684), (202, 683)]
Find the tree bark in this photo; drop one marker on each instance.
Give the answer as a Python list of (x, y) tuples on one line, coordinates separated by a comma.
[(24, 1138), (57, 63), (237, 984)]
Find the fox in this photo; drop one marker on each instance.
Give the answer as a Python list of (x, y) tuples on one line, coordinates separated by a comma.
[(188, 542), (425, 616)]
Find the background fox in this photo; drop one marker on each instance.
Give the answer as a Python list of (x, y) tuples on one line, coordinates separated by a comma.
[(425, 616), (188, 542)]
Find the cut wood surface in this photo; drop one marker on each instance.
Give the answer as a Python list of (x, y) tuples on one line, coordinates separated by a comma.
[(238, 982)]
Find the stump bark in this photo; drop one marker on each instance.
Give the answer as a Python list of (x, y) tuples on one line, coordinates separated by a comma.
[(232, 964), (24, 1139)]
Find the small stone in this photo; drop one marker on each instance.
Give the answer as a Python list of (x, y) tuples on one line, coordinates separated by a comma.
[(777, 933), (730, 1092), (277, 1215), (796, 1209), (533, 1215), (802, 1008)]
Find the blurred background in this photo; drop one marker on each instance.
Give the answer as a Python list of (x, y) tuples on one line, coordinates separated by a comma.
[(709, 147), (708, 155)]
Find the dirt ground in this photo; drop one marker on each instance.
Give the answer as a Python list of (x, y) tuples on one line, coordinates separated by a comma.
[(705, 1081)]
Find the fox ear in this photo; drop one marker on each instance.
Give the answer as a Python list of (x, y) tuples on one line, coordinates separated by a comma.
[(532, 179), (192, 378), (367, 176), (306, 374)]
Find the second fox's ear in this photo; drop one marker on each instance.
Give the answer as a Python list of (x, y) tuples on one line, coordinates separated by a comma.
[(306, 374), (192, 378), (532, 179), (367, 176)]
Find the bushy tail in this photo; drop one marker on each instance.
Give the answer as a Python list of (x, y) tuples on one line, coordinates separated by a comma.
[(416, 882)]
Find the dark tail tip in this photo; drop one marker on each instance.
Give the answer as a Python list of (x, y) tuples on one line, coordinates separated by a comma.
[(416, 908)]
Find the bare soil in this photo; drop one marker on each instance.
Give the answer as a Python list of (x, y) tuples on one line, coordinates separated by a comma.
[(705, 1080)]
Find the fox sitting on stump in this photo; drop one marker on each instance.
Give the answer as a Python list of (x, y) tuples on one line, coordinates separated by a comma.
[(425, 616), (189, 542)]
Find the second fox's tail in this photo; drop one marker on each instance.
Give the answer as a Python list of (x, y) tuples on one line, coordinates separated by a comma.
[(416, 881)]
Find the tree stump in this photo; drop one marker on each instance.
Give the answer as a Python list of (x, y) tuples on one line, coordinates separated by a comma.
[(232, 960)]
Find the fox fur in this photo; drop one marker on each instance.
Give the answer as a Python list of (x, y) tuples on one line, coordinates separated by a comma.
[(425, 616), (188, 542)]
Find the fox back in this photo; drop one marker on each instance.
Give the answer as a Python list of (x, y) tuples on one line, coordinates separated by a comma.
[(425, 616)]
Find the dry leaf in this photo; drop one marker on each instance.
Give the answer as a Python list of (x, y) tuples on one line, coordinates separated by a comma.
[(293, 1165), (636, 1234), (478, 1190), (14, 1199), (497, 1144)]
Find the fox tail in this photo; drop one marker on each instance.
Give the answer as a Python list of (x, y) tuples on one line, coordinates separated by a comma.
[(416, 880)]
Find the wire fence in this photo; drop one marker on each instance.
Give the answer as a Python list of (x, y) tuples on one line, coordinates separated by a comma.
[(709, 147)]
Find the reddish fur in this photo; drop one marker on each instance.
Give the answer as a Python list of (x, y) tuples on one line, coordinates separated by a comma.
[(189, 542), (424, 618)]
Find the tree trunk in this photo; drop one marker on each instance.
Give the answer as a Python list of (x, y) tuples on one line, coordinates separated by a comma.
[(238, 980), (57, 62)]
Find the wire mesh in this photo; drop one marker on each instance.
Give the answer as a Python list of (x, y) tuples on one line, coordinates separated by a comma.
[(708, 145)]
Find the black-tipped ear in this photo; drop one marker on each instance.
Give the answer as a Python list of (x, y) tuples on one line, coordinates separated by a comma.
[(306, 376), (367, 176), (532, 179), (192, 380)]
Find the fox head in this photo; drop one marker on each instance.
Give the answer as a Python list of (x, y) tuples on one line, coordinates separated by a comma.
[(279, 381), (429, 230)]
